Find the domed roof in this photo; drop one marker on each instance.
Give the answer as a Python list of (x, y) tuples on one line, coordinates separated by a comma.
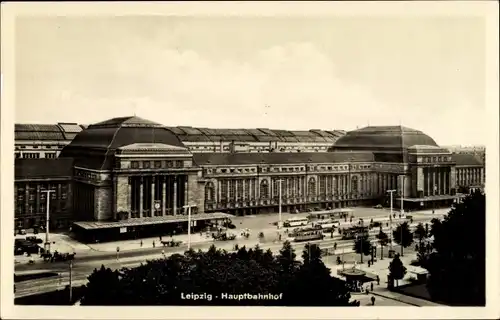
[(96, 145), (387, 138)]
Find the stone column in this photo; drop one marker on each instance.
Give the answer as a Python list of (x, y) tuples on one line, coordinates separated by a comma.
[(175, 196), (141, 196), (186, 200), (439, 182), (129, 195), (37, 199), (243, 194), (218, 190), (153, 210), (163, 196), (27, 197)]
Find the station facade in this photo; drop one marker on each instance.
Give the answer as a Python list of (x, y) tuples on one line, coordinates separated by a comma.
[(127, 173)]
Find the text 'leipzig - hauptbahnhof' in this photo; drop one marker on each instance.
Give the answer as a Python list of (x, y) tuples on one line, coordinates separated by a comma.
[(128, 174)]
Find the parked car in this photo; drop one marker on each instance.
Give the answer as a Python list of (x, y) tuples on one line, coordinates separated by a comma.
[(378, 206), (34, 239), (21, 232)]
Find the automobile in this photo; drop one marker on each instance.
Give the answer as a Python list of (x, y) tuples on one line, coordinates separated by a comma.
[(21, 232), (34, 239), (378, 206)]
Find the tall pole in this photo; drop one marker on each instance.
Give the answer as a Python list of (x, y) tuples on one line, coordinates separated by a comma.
[(70, 281), (402, 192), (189, 228), (390, 220), (188, 207), (280, 223), (47, 218)]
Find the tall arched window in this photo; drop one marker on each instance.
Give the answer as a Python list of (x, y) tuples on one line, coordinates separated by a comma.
[(311, 187), (223, 190), (264, 189), (209, 192), (354, 184), (322, 185), (276, 188)]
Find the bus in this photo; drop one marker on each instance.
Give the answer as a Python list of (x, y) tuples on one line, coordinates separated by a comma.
[(296, 222), (354, 232), (338, 213), (308, 235), (327, 225)]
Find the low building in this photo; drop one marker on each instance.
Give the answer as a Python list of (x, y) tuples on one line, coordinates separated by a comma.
[(129, 175)]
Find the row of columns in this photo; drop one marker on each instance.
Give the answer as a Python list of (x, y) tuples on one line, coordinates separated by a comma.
[(236, 189), (469, 176), (152, 189), (437, 181)]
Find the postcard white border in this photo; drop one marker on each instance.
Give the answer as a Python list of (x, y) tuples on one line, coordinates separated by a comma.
[(486, 9)]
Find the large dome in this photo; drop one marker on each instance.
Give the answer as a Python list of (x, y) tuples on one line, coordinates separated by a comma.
[(383, 138), (95, 147)]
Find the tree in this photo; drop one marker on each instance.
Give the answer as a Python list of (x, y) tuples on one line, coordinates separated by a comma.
[(457, 264), (397, 270), (420, 233), (383, 240), (362, 245), (403, 236), (214, 272), (314, 278)]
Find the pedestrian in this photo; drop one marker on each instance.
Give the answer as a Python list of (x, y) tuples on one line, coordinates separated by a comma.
[(416, 247), (163, 253), (371, 286), (141, 243), (394, 215), (378, 280), (373, 300), (335, 246), (160, 238), (369, 263), (154, 244)]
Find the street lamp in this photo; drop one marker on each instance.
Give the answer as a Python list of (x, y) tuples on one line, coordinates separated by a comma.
[(390, 219), (402, 192), (188, 207), (280, 222), (47, 242)]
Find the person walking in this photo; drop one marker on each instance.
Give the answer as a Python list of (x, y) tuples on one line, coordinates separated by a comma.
[(378, 280), (373, 300), (154, 244), (141, 243), (371, 286)]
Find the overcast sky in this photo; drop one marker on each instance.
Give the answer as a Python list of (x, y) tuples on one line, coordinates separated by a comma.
[(282, 73)]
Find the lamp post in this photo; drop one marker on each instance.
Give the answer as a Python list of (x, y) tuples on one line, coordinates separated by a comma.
[(188, 207), (70, 281), (47, 242), (280, 222), (390, 220), (402, 192)]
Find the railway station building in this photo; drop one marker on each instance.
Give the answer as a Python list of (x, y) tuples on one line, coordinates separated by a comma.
[(127, 176)]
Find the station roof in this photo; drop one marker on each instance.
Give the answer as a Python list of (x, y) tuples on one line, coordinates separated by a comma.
[(466, 159), (92, 225), (255, 158), (32, 169), (383, 137)]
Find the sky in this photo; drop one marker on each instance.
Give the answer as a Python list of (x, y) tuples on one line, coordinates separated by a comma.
[(294, 73)]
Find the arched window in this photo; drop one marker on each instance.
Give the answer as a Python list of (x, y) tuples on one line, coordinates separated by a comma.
[(322, 185), (311, 187), (209, 192), (264, 189), (354, 184), (276, 188)]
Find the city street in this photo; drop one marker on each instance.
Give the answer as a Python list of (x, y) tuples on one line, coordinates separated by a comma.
[(87, 260)]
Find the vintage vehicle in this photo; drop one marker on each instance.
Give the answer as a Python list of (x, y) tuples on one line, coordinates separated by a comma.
[(309, 235), (353, 232), (56, 256), (327, 225), (295, 222), (34, 239), (170, 243), (223, 236)]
